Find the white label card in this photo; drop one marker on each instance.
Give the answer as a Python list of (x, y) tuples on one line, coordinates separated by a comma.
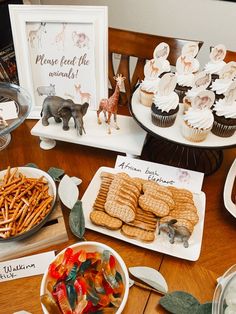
[(162, 174), (26, 266)]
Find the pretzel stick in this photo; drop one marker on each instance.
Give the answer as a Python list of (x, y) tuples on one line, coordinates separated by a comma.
[(39, 212), (13, 174), (5, 229), (6, 221), (13, 187), (35, 212), (3, 213), (7, 175), (14, 198), (3, 235), (30, 187)]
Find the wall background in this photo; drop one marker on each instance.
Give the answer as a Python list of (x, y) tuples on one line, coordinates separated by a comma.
[(212, 21)]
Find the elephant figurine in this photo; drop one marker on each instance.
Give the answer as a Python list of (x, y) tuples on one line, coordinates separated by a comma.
[(63, 110)]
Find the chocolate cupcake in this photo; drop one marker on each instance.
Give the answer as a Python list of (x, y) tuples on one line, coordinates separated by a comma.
[(165, 102), (224, 112)]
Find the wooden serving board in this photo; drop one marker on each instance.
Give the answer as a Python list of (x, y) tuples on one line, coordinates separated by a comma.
[(52, 233)]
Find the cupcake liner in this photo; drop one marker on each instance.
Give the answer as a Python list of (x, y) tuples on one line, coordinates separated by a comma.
[(163, 121), (223, 130), (193, 134), (146, 98)]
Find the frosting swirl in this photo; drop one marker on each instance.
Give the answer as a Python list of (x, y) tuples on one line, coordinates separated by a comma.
[(191, 93), (167, 102), (185, 79), (220, 86), (150, 85), (214, 67), (223, 109), (199, 118)]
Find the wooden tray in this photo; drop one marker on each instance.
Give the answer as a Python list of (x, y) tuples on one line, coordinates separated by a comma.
[(53, 232)]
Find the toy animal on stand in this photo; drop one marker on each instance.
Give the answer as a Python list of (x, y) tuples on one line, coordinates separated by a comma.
[(173, 231), (110, 106), (63, 110)]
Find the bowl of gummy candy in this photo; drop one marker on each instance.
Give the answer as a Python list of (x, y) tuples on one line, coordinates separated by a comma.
[(86, 277), (224, 299)]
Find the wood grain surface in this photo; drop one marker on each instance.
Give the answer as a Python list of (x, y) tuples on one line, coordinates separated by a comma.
[(198, 278)]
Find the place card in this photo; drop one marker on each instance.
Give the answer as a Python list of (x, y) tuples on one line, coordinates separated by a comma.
[(8, 110), (162, 174), (26, 266)]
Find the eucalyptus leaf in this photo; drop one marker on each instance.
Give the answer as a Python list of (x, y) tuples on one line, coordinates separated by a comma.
[(205, 308), (32, 165), (55, 173), (179, 302), (76, 220)]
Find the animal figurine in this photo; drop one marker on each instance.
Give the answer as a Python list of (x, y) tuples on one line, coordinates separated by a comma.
[(173, 232), (110, 106), (63, 110)]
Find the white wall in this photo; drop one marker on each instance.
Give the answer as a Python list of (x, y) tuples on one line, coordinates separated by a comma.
[(212, 21)]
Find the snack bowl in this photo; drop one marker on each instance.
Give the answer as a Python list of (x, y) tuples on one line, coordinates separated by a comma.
[(50, 281), (35, 212), (224, 299)]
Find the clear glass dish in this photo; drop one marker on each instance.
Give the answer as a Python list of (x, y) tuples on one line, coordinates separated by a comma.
[(224, 299), (23, 103)]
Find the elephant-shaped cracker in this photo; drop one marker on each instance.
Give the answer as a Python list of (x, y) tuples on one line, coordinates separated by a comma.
[(173, 231), (63, 110)]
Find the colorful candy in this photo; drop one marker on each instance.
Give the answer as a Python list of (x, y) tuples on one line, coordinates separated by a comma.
[(83, 283)]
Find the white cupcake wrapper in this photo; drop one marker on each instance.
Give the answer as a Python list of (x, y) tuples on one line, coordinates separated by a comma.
[(193, 134), (146, 99)]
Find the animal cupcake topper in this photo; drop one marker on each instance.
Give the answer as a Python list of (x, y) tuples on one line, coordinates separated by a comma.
[(184, 65), (153, 68), (229, 71), (218, 53), (190, 49), (204, 99), (167, 84), (202, 80), (161, 51), (230, 94)]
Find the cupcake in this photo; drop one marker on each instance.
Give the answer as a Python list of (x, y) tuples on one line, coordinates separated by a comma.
[(198, 119), (201, 82), (185, 77), (216, 63), (148, 87), (165, 104), (221, 85), (224, 112)]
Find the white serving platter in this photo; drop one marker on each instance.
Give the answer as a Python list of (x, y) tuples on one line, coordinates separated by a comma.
[(143, 116), (229, 182), (161, 243)]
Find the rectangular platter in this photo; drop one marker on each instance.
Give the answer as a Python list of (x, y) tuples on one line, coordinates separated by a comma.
[(161, 243)]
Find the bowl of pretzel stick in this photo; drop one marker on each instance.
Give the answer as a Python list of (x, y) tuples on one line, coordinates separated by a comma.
[(27, 198)]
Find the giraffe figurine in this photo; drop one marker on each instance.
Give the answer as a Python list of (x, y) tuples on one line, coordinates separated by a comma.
[(110, 106)]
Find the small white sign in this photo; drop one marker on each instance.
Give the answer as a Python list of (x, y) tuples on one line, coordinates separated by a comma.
[(26, 266), (8, 110), (162, 174)]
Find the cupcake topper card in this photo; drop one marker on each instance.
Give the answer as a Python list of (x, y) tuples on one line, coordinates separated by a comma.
[(204, 99), (202, 80), (190, 49), (218, 53), (184, 65), (229, 71), (152, 69), (167, 84), (161, 51), (230, 94)]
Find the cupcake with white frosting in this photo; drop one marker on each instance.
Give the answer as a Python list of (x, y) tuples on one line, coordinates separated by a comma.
[(216, 63), (227, 75), (198, 119), (224, 112), (165, 104)]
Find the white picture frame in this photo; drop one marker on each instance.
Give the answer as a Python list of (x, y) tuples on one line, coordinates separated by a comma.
[(61, 50)]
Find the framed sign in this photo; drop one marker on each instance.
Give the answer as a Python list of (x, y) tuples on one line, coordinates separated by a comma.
[(61, 51)]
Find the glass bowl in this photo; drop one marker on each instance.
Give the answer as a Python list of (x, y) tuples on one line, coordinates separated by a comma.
[(224, 299), (23, 103)]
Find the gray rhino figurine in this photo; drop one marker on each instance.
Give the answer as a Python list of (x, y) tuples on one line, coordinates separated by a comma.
[(63, 110)]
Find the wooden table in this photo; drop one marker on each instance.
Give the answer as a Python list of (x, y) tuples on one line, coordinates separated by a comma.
[(198, 278)]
